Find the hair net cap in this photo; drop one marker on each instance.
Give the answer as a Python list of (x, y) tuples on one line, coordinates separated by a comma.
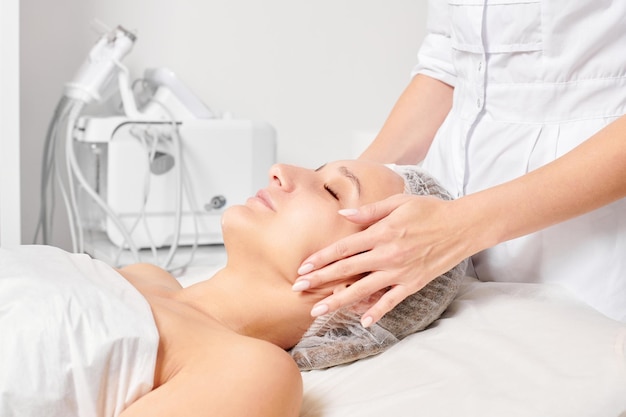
[(339, 337), (418, 181)]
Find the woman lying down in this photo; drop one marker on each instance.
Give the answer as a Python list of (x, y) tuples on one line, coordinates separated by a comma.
[(82, 339)]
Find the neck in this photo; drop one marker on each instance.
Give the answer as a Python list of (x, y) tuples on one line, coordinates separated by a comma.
[(256, 303)]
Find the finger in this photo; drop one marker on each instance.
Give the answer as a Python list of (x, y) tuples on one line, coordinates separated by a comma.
[(343, 248), (373, 212), (348, 268), (387, 302), (363, 262), (356, 243), (360, 290)]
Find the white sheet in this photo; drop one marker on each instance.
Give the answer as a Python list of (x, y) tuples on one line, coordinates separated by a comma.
[(76, 339), (500, 350)]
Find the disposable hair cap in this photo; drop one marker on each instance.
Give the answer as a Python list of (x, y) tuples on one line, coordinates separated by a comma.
[(337, 338)]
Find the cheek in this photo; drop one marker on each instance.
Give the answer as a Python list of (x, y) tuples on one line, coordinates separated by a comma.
[(310, 230), (286, 237)]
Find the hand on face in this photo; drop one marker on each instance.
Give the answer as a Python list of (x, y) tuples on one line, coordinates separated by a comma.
[(298, 213), (410, 240)]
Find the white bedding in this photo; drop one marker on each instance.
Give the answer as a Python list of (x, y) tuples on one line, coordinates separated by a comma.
[(76, 339), (500, 350)]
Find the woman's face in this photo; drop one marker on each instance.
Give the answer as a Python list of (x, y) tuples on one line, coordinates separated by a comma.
[(296, 214)]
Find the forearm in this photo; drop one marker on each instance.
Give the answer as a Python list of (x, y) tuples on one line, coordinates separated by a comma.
[(409, 130), (588, 177)]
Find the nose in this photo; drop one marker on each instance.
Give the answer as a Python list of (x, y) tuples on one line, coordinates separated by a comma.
[(283, 176)]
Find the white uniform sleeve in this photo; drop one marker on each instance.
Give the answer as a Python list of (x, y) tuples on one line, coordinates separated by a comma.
[(435, 54)]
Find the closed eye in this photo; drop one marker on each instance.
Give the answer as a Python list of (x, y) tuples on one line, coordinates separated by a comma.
[(331, 192)]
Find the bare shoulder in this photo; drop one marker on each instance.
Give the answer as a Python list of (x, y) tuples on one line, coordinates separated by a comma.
[(268, 377), (143, 274), (243, 377)]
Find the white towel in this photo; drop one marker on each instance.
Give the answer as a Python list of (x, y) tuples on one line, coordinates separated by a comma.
[(76, 338)]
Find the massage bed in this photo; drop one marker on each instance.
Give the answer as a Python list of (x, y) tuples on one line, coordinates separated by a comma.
[(500, 349)]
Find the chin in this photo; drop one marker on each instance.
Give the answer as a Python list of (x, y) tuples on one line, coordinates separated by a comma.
[(243, 233), (231, 224), (235, 217)]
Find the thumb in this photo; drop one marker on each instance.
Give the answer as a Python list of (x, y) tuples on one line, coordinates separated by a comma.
[(373, 212)]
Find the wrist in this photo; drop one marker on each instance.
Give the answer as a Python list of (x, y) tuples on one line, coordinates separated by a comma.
[(477, 224)]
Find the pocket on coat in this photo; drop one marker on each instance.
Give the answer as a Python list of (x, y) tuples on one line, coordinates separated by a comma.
[(506, 25)]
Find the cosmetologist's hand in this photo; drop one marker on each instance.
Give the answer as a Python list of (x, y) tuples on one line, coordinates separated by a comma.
[(410, 240)]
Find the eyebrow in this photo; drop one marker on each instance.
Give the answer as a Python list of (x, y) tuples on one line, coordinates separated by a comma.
[(348, 174)]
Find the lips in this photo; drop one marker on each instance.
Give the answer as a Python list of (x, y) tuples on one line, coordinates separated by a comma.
[(264, 197)]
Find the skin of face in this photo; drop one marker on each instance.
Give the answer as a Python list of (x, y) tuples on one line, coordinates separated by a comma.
[(297, 213)]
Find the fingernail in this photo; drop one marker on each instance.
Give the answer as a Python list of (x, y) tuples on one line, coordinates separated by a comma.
[(319, 310), (305, 269), (301, 285), (348, 212), (367, 321)]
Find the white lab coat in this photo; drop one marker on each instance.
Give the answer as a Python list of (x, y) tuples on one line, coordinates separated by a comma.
[(533, 79)]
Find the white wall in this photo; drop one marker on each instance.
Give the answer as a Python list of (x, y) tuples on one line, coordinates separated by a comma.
[(324, 73), (9, 124)]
